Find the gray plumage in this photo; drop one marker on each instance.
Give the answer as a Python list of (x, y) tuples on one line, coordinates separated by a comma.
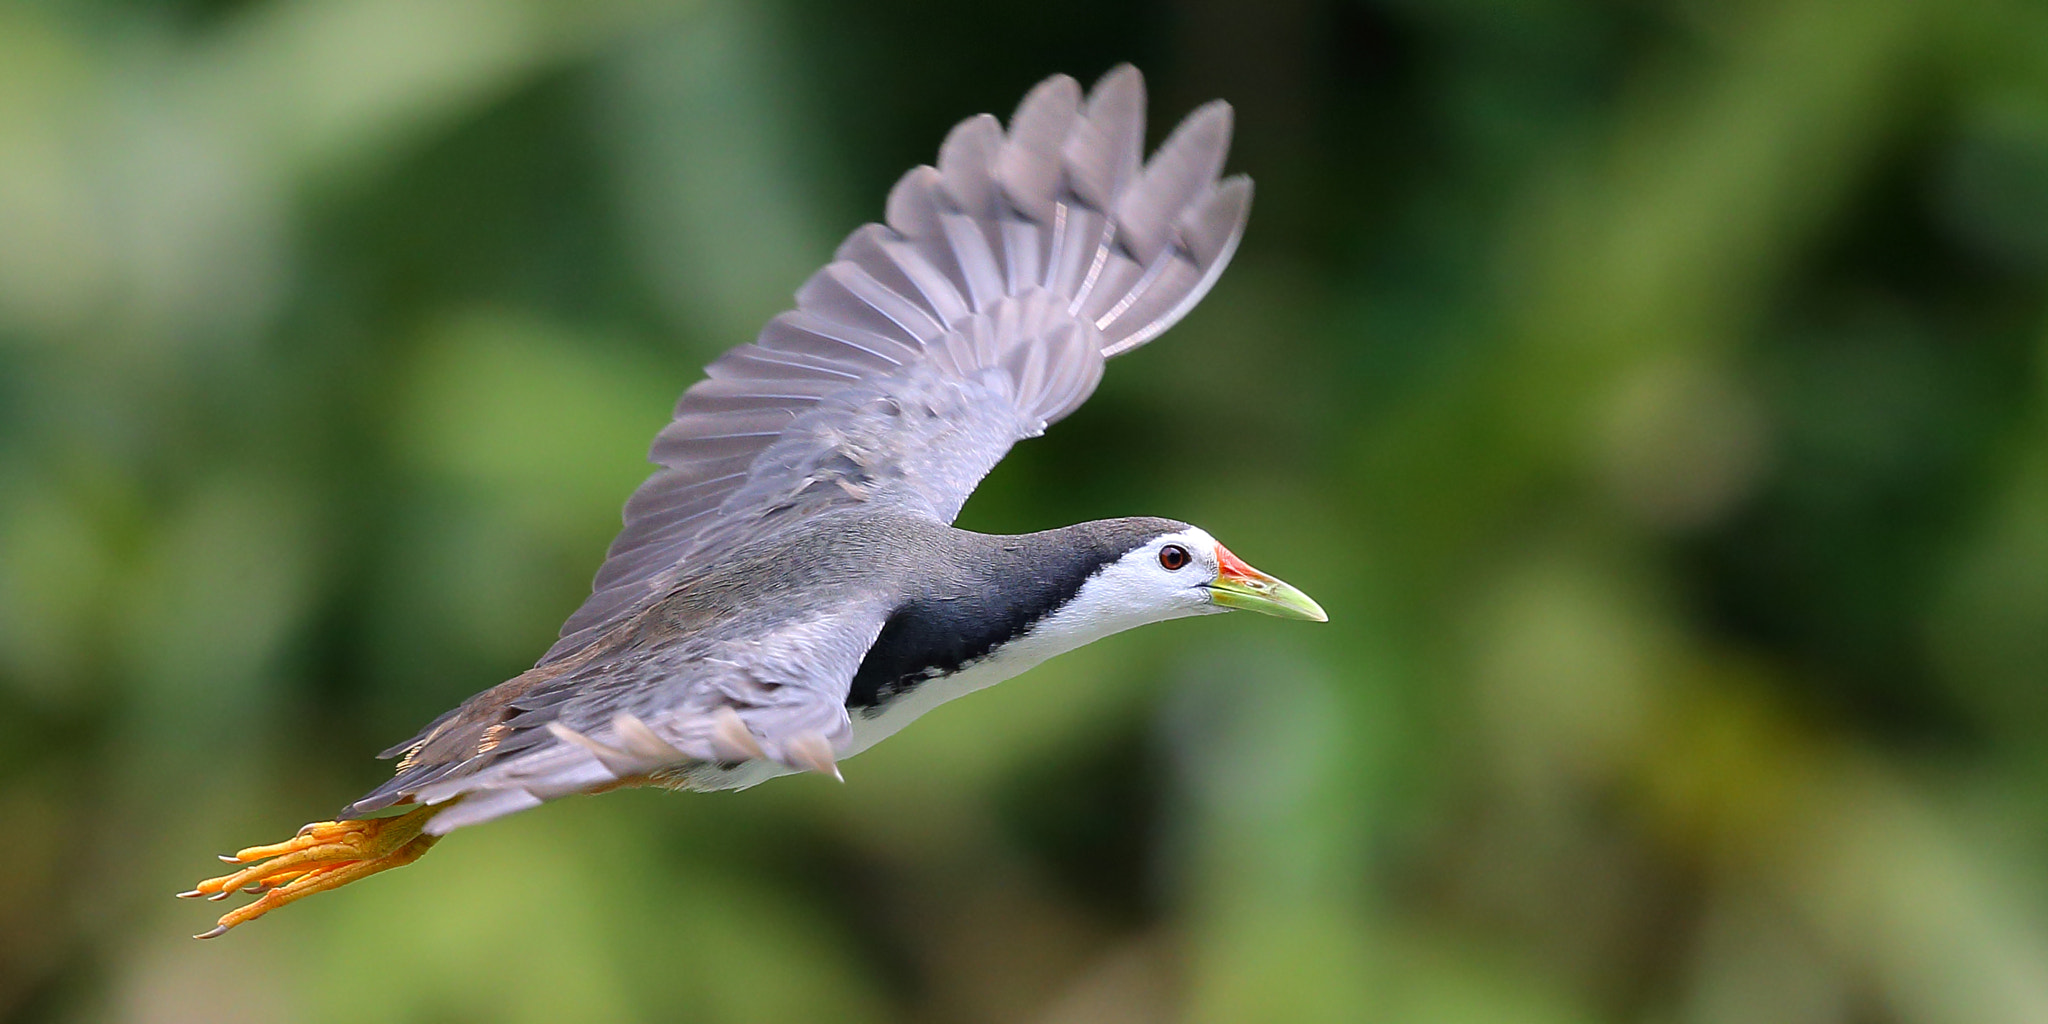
[(758, 565)]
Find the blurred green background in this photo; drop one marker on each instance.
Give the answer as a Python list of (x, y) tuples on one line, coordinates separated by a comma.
[(1654, 393)]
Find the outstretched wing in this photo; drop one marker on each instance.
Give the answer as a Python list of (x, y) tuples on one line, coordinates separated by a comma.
[(978, 313)]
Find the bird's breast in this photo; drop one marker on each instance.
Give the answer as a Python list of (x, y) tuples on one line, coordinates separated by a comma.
[(878, 721)]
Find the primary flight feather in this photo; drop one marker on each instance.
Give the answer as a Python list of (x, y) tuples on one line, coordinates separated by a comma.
[(788, 589)]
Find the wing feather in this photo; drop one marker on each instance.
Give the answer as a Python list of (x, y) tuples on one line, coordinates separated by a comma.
[(1185, 167), (655, 714), (1029, 167), (967, 165), (1030, 253), (1107, 143)]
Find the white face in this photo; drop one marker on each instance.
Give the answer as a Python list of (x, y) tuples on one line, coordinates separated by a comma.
[(1167, 577)]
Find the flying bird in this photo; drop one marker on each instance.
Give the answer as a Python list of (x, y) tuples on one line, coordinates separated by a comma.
[(788, 588)]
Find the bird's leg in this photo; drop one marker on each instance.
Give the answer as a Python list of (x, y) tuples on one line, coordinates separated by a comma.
[(324, 855)]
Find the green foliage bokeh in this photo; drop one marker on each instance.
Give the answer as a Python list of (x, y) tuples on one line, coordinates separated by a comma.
[(1655, 392)]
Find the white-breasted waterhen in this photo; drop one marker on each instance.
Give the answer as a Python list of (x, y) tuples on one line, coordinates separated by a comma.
[(788, 588)]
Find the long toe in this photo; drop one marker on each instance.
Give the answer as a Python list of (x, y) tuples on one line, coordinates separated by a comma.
[(322, 856)]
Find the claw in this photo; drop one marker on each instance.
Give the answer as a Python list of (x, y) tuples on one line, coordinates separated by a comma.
[(322, 856), (213, 933), (190, 894)]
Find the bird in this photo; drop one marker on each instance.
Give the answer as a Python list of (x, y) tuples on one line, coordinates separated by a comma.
[(788, 588)]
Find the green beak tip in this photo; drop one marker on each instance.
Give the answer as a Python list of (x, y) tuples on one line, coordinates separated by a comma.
[(1266, 596)]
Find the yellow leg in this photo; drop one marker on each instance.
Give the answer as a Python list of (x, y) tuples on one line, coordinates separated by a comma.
[(323, 856)]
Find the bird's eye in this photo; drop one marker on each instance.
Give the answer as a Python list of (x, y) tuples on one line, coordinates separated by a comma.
[(1173, 557)]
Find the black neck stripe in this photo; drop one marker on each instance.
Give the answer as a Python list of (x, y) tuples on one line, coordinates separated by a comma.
[(994, 591)]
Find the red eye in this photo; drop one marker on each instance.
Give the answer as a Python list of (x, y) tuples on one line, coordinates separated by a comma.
[(1173, 557)]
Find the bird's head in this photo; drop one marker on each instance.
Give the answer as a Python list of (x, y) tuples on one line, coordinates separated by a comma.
[(1176, 570)]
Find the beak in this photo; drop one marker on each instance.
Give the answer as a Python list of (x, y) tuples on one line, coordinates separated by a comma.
[(1240, 586)]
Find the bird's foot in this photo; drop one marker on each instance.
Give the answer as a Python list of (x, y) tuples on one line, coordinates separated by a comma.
[(323, 856)]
